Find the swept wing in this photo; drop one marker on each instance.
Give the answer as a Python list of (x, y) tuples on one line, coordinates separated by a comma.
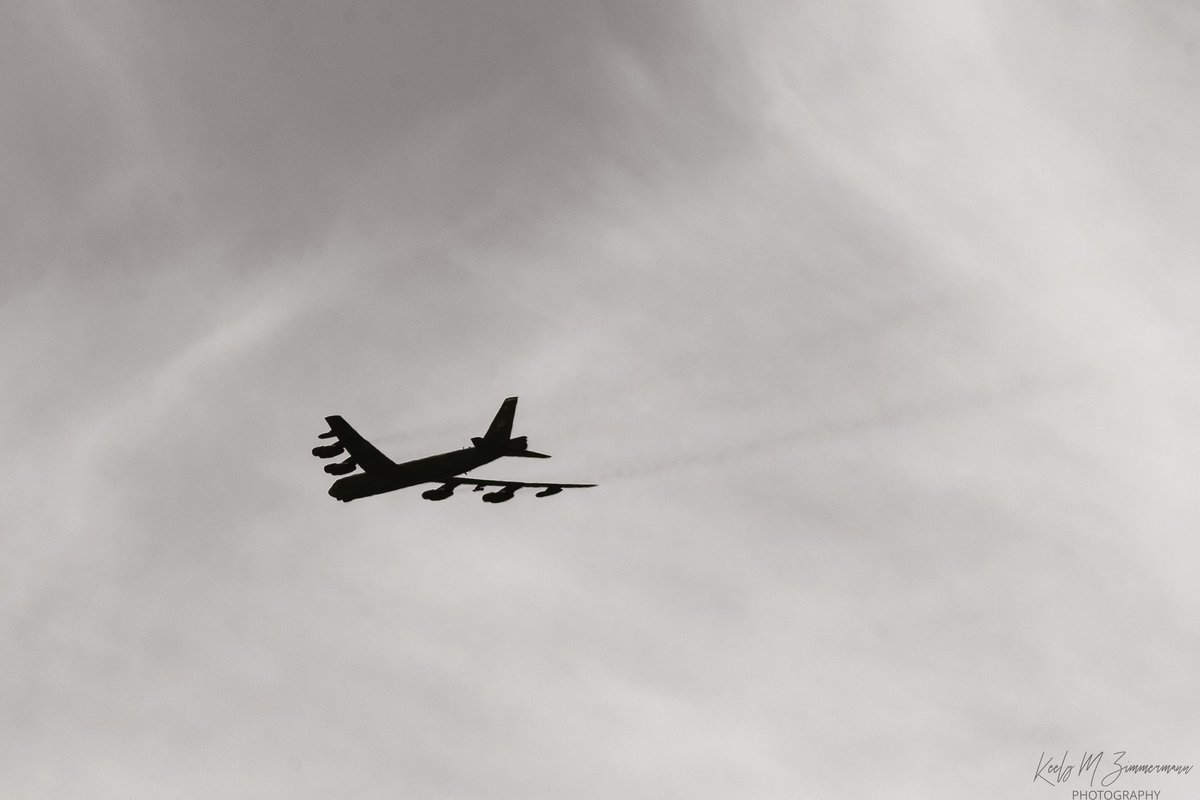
[(481, 483), (362, 452)]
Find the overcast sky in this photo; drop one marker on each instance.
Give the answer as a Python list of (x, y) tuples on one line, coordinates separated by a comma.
[(875, 321)]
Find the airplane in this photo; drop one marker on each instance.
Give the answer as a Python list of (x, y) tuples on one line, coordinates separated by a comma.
[(380, 474)]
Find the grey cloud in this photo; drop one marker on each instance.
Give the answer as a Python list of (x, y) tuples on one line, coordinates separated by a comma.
[(293, 112), (872, 322)]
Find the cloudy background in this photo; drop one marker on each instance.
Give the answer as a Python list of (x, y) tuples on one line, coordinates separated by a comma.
[(875, 321)]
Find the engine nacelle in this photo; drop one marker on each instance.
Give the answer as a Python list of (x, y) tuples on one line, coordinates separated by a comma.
[(441, 493), (341, 467), (328, 450), (549, 490), (502, 496)]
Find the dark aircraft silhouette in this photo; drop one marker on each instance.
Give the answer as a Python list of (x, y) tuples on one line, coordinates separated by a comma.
[(380, 474)]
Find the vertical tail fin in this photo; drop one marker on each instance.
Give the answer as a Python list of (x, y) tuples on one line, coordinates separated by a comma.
[(501, 428)]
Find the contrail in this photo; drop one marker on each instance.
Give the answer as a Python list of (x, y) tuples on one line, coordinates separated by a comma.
[(910, 413)]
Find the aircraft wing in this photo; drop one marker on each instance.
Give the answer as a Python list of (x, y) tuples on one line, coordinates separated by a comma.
[(362, 452), (480, 483)]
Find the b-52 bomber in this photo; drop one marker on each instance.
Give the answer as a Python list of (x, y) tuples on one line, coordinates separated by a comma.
[(380, 474)]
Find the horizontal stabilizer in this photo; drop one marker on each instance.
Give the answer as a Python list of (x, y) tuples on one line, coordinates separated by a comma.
[(529, 454)]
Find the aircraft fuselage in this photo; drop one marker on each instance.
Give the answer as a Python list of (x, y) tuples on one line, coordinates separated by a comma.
[(410, 473)]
